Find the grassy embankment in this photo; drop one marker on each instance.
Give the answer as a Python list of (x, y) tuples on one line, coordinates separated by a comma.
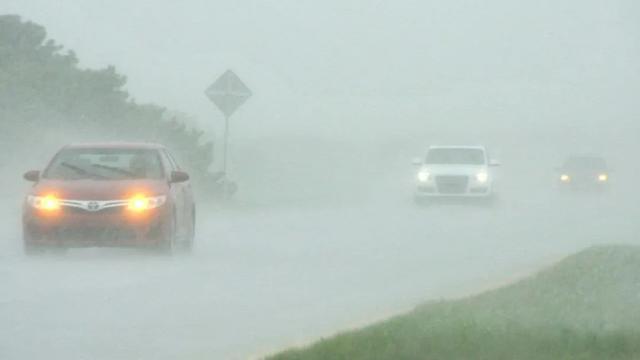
[(585, 307)]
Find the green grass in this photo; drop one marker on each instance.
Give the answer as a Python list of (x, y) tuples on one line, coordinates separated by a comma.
[(585, 307)]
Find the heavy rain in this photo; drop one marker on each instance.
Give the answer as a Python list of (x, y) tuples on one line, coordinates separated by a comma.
[(385, 156)]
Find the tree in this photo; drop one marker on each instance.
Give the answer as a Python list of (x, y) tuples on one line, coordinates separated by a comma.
[(42, 87)]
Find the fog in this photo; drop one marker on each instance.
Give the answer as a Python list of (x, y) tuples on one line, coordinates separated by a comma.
[(323, 234)]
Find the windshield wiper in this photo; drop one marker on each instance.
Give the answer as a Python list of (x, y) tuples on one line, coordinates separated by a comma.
[(115, 169), (82, 171)]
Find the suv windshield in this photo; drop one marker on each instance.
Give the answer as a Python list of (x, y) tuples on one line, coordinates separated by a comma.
[(455, 156), (105, 164)]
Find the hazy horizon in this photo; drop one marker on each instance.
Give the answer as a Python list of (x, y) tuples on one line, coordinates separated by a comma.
[(366, 67)]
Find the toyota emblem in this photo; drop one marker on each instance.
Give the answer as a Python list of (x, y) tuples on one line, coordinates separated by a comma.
[(93, 206)]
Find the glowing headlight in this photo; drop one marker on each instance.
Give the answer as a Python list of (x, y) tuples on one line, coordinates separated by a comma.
[(603, 177), (48, 202), (142, 203), (565, 178), (423, 176), (482, 177)]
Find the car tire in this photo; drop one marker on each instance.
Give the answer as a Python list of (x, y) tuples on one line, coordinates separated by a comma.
[(40, 250), (190, 238), (33, 250), (167, 245), (28, 247)]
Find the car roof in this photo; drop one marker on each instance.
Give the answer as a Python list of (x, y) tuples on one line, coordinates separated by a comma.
[(115, 145)]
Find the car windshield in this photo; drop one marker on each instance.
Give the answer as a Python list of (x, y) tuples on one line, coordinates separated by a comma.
[(105, 164), (585, 163), (455, 156)]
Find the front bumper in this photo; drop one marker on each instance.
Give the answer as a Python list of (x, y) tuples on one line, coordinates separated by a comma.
[(584, 185), (74, 228), (422, 193), (454, 187)]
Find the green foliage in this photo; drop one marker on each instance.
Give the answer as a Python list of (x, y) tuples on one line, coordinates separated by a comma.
[(464, 339), (583, 308), (42, 87)]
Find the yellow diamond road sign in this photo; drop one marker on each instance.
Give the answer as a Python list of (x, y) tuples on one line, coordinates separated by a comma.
[(228, 93)]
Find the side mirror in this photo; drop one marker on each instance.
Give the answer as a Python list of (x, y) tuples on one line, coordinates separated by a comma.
[(494, 163), (416, 161), (33, 175), (179, 176)]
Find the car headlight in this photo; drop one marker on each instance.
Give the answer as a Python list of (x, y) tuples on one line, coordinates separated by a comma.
[(141, 203), (423, 176), (603, 177), (48, 202), (482, 177), (565, 178)]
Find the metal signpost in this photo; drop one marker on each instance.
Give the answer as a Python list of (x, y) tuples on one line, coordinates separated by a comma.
[(228, 93)]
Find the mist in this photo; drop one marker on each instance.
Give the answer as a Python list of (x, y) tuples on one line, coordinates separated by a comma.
[(323, 235)]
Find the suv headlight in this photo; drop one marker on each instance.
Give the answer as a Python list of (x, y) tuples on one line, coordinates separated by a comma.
[(423, 176), (482, 177)]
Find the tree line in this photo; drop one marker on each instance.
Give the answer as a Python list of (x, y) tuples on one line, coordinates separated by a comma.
[(43, 91)]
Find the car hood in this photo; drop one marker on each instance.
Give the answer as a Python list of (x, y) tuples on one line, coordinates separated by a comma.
[(88, 189), (468, 170)]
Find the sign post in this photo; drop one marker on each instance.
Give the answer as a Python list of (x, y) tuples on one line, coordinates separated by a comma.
[(228, 93)]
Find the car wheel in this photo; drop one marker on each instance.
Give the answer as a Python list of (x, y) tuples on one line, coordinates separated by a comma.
[(191, 234), (39, 250), (167, 244), (33, 250), (28, 247)]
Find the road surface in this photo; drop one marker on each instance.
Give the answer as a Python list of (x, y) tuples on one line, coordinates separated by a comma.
[(263, 278)]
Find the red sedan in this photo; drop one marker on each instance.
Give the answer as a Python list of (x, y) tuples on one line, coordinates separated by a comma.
[(109, 195)]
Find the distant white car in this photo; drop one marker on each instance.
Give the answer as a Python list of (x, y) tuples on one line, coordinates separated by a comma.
[(455, 171)]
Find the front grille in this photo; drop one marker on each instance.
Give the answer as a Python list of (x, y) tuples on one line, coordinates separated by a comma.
[(94, 234), (452, 184), (105, 211)]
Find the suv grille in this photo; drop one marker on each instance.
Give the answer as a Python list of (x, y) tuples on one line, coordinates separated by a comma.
[(452, 184)]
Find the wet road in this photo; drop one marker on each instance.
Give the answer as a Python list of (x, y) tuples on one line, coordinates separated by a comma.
[(263, 278)]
